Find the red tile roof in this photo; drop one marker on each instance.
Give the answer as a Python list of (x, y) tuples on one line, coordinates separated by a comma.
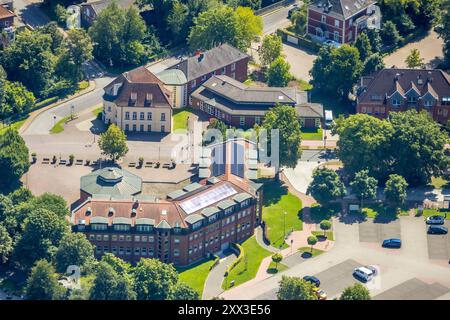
[(5, 13)]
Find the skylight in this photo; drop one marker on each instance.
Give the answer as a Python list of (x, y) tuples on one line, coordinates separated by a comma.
[(207, 198)]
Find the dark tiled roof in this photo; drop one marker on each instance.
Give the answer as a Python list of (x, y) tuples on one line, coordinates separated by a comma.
[(310, 110), (345, 8), (111, 181), (213, 59), (383, 84), (140, 88)]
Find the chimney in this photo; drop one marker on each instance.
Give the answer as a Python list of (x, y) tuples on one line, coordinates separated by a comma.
[(201, 56)]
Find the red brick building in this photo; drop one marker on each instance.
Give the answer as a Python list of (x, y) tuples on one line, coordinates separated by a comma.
[(6, 18), (341, 20), (187, 226), (403, 89), (221, 60), (243, 106)]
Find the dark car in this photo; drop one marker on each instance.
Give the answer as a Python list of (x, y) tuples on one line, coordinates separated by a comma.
[(437, 230), (313, 280), (392, 243)]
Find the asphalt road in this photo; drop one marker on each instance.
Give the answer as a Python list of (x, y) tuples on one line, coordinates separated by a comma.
[(272, 21)]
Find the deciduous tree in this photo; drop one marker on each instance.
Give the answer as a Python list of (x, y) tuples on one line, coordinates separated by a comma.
[(395, 190), (154, 280), (355, 292), (270, 49), (413, 60), (278, 74), (364, 186), (42, 284), (326, 186), (74, 249), (14, 158), (294, 288), (113, 142)]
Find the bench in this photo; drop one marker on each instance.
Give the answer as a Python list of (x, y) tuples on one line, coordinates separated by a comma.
[(132, 164), (79, 162), (149, 164), (46, 161), (63, 162)]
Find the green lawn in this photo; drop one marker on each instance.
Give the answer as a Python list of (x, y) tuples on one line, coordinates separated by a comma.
[(312, 133), (82, 85), (329, 234), (380, 211), (195, 275), (440, 183), (281, 212), (272, 269), (180, 118), (59, 126), (248, 267), (435, 212), (97, 111), (315, 252), (15, 125)]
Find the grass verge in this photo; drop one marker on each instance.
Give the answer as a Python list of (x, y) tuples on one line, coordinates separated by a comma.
[(249, 265), (180, 118), (195, 275), (59, 126)]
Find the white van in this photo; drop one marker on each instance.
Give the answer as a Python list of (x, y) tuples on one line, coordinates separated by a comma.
[(363, 273), (328, 119)]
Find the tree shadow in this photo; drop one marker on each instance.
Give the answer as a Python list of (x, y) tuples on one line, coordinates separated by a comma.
[(272, 270), (352, 218), (273, 191), (306, 255)]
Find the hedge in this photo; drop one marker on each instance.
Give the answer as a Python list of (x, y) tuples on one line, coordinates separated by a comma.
[(239, 248), (302, 41)]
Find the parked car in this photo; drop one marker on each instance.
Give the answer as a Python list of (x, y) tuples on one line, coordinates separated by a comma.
[(328, 119), (363, 274), (332, 43), (437, 230), (435, 220), (392, 243), (321, 295), (313, 280), (291, 11)]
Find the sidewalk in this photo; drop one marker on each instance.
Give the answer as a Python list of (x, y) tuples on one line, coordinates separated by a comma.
[(213, 283), (33, 115)]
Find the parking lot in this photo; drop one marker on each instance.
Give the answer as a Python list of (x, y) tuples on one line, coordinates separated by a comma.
[(335, 279), (413, 289), (439, 245), (369, 231)]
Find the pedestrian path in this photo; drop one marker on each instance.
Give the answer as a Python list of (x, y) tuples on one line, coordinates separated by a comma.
[(213, 283)]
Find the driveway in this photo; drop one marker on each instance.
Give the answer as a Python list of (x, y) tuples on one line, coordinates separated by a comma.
[(30, 13), (430, 48), (301, 61)]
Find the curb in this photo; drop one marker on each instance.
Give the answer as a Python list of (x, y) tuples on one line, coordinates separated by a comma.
[(36, 113)]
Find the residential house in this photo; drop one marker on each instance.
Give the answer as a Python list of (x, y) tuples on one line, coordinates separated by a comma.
[(92, 8), (7, 30), (221, 60), (189, 225), (138, 101), (243, 106), (341, 20), (394, 89)]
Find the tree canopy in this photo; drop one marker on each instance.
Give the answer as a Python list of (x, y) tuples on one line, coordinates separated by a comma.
[(271, 48), (355, 292), (42, 284), (14, 158), (278, 74), (113, 142), (74, 249), (284, 118), (326, 186), (395, 190), (294, 288), (336, 70), (224, 24)]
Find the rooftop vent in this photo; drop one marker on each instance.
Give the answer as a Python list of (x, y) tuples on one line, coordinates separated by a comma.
[(111, 211), (88, 211), (164, 212), (201, 56)]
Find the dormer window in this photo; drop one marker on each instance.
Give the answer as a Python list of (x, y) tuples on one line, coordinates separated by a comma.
[(396, 102), (133, 98), (148, 99), (428, 103), (412, 100)]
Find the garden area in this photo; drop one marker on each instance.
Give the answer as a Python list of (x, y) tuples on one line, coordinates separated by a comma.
[(434, 212), (195, 275), (312, 133), (248, 265), (281, 213), (180, 118)]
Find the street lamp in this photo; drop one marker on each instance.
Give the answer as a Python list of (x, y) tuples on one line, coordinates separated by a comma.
[(54, 120), (325, 144), (71, 111)]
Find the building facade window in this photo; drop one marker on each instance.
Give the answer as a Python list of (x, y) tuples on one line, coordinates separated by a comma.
[(127, 115)]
